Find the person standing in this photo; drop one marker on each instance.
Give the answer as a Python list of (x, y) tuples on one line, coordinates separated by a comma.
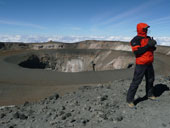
[(93, 66), (143, 47)]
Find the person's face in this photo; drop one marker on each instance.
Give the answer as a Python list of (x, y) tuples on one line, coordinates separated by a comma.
[(145, 30)]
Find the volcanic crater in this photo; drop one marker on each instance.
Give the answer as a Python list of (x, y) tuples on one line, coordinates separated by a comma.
[(69, 60)]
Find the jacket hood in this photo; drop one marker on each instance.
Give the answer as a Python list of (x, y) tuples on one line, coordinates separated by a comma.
[(140, 29)]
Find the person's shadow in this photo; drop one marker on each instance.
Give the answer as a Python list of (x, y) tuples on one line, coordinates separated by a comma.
[(159, 89)]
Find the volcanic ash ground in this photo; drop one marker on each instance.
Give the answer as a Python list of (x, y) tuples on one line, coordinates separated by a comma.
[(101, 106)]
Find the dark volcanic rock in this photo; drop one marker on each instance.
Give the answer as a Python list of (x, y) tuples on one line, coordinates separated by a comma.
[(2, 45), (54, 97), (119, 118), (2, 115), (14, 46), (33, 62), (26, 103), (21, 116), (103, 98)]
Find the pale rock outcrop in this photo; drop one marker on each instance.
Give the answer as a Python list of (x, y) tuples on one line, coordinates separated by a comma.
[(120, 62), (74, 65), (122, 48), (168, 53)]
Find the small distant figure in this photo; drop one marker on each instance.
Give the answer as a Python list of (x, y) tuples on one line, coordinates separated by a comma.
[(143, 47), (93, 65)]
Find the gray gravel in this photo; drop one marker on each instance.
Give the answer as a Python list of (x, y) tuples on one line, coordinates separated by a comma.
[(101, 106)]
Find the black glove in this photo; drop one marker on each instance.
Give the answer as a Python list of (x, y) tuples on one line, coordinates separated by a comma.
[(152, 42)]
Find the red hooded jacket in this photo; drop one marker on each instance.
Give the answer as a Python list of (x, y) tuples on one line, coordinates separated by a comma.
[(139, 44)]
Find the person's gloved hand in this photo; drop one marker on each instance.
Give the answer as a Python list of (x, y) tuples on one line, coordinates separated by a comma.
[(152, 42)]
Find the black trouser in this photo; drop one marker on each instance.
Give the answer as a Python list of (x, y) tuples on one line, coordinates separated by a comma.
[(140, 71)]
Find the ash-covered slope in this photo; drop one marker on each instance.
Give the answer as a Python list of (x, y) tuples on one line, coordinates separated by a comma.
[(101, 106)]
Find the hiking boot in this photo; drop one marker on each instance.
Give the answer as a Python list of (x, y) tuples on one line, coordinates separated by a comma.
[(131, 105), (152, 97)]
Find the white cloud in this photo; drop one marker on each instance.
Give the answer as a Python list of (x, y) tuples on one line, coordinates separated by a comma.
[(21, 24), (163, 41), (71, 39)]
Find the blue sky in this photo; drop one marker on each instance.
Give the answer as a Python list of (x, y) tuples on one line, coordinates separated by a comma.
[(82, 18)]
